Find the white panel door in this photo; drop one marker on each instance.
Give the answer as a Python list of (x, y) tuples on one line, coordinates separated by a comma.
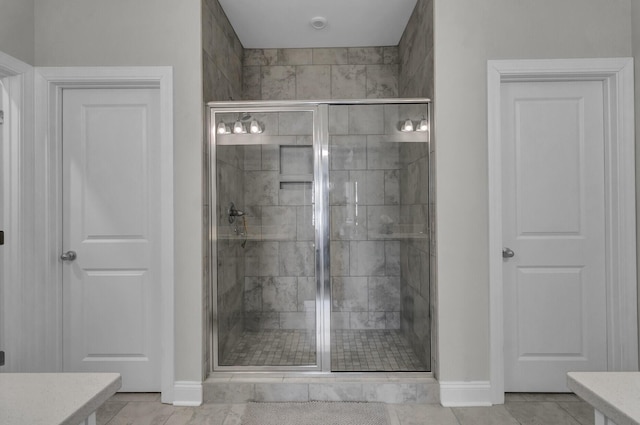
[(111, 291), (553, 221)]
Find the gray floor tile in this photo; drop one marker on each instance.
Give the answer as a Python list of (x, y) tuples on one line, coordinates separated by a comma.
[(580, 410), (540, 413), (143, 413), (234, 417), (422, 414), (207, 414), (494, 415), (108, 410)]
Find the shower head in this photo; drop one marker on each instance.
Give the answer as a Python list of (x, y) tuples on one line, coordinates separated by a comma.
[(244, 116)]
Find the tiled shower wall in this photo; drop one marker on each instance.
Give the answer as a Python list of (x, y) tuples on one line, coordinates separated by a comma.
[(416, 80), (222, 80), (280, 284), (414, 249), (337, 73), (221, 55), (230, 251), (365, 218), (365, 269)]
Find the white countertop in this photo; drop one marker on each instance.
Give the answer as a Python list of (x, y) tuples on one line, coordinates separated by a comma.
[(615, 394), (53, 398)]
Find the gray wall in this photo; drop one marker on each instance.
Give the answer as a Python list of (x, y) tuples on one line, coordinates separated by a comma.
[(467, 34), (17, 29), (149, 33), (635, 18)]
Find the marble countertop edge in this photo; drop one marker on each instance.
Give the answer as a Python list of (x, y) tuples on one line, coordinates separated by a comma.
[(94, 403), (609, 393), (54, 398)]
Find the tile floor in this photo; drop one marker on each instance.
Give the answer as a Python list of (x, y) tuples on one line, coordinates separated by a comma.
[(519, 409), (351, 350), (371, 351)]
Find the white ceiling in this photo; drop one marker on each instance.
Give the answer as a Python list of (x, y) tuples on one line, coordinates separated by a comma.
[(263, 24)]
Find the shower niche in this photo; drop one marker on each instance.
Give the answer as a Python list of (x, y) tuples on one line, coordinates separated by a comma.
[(325, 265)]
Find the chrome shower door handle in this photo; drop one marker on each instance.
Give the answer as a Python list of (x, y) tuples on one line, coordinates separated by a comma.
[(507, 252), (69, 256)]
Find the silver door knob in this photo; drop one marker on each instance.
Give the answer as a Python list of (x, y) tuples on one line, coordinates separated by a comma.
[(69, 256), (507, 253)]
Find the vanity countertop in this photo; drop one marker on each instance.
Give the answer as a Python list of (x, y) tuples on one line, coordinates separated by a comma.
[(53, 398), (614, 394)]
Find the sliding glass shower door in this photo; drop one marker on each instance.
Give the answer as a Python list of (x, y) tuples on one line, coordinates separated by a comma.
[(320, 236), (379, 239), (267, 291)]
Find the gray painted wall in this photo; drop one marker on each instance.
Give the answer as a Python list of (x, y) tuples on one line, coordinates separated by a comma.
[(467, 33), (17, 29), (144, 33)]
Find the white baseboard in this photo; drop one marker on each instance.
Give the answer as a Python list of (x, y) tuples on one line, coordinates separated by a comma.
[(465, 393), (187, 393)]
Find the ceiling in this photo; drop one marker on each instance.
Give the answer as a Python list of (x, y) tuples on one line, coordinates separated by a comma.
[(265, 24)]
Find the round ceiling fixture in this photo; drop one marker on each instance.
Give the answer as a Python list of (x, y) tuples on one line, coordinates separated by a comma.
[(319, 22)]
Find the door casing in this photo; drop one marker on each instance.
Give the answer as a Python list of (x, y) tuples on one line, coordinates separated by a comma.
[(16, 167), (621, 276), (49, 84)]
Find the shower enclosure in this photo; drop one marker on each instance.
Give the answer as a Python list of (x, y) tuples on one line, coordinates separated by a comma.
[(318, 235)]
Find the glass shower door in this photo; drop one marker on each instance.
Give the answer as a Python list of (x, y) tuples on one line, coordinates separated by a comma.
[(267, 293), (379, 239)]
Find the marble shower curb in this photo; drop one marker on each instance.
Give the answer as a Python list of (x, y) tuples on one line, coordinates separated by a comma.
[(222, 387)]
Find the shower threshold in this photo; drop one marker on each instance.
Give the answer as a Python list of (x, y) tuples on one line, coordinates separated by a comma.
[(381, 387)]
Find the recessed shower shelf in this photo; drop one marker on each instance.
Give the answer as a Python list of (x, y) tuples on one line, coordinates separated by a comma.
[(296, 178)]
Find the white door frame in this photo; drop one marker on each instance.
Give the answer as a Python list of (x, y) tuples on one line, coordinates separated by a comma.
[(50, 82), (18, 78), (620, 209)]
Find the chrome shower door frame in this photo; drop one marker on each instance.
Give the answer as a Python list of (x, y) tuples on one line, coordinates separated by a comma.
[(321, 211), (320, 199)]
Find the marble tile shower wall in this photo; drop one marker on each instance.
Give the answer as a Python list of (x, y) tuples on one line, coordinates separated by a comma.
[(221, 55), (280, 284), (222, 80), (364, 200), (416, 80), (332, 73), (230, 252), (416, 261)]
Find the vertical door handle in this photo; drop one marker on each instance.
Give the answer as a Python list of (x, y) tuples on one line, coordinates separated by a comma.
[(69, 256), (507, 252)]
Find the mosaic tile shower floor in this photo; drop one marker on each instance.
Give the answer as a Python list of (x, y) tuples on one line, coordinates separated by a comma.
[(351, 350)]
